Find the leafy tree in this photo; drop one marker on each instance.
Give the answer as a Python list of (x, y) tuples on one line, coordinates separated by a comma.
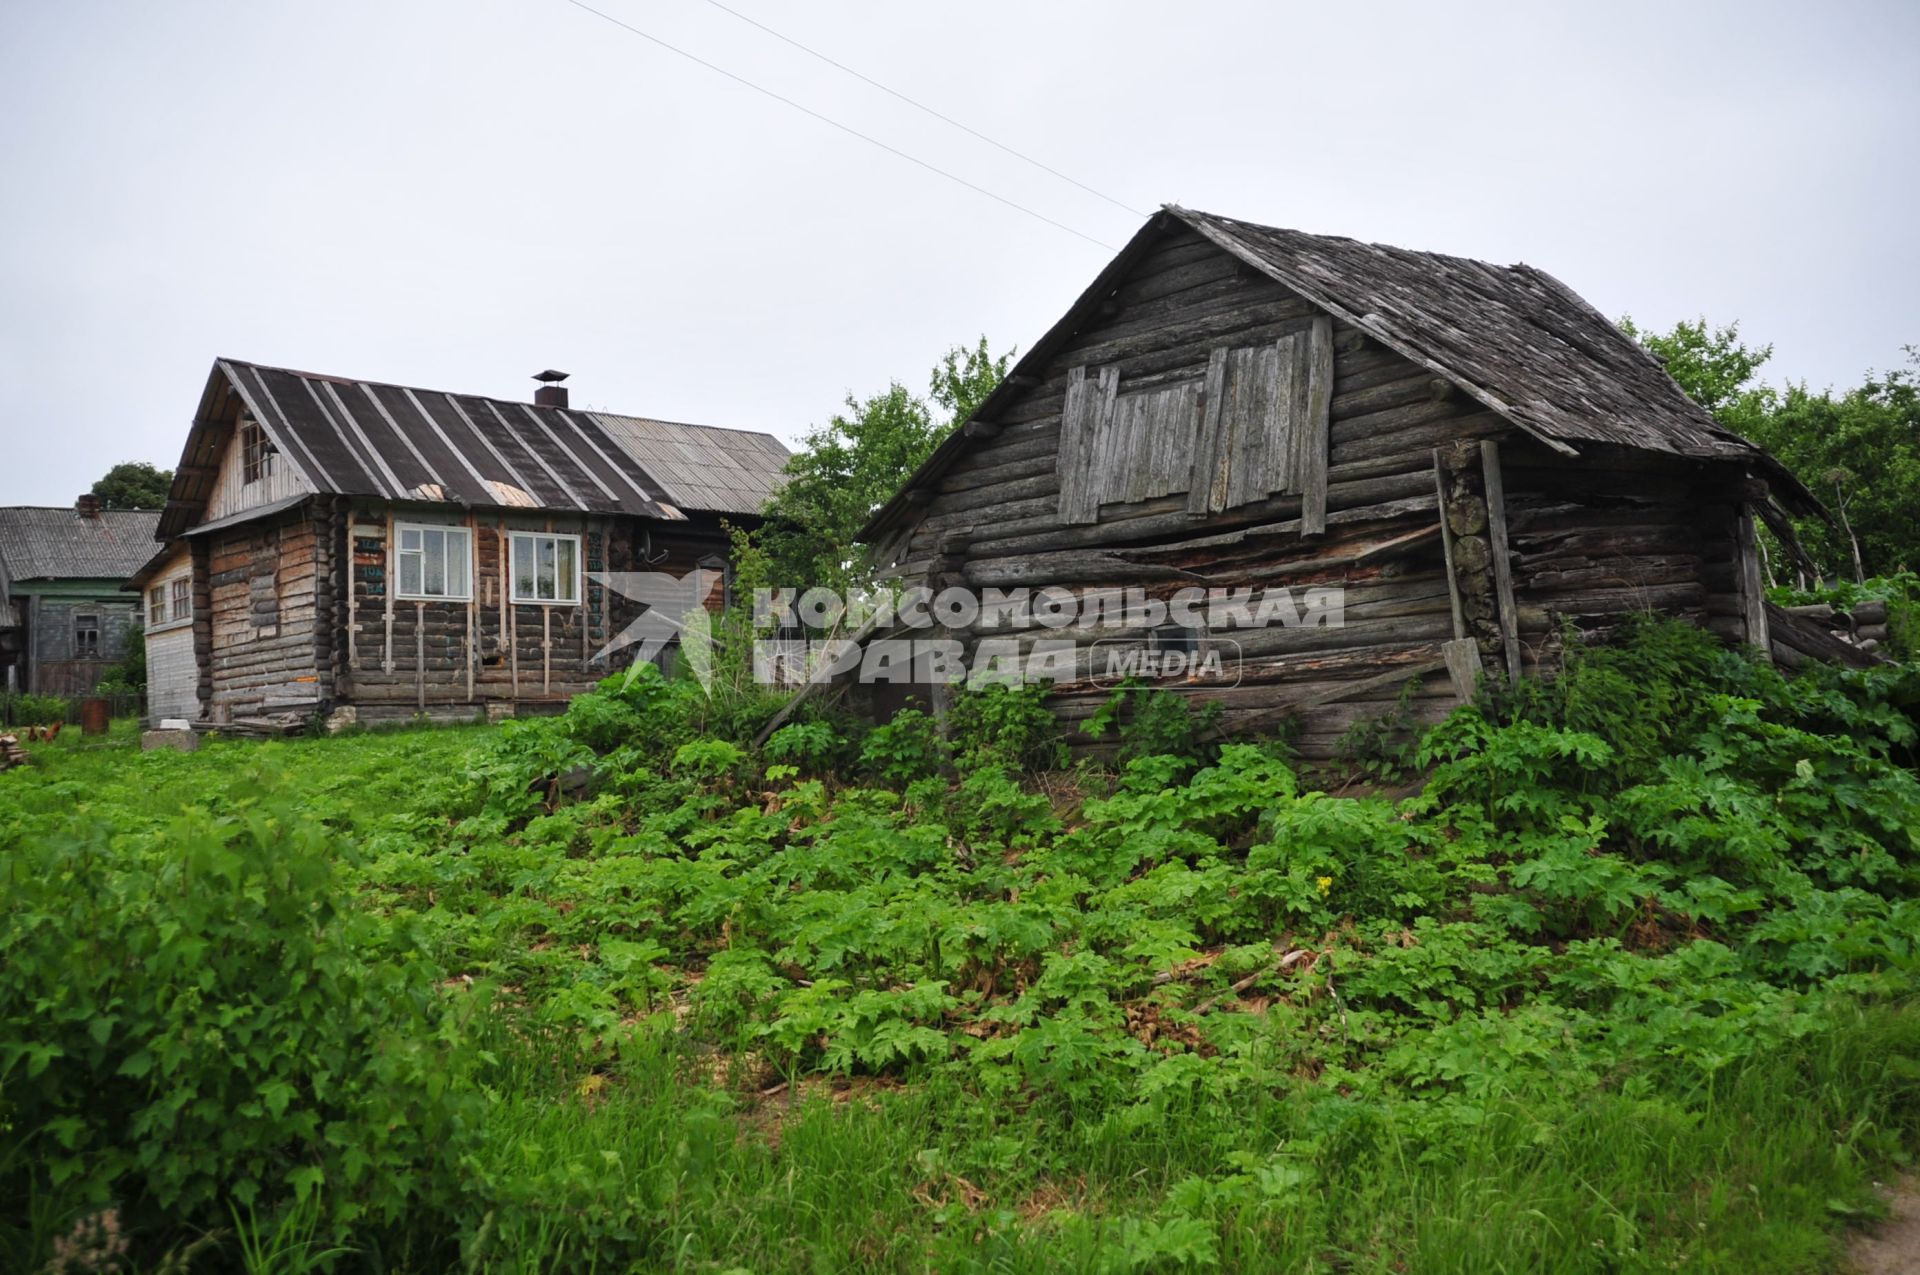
[(850, 466), (134, 484), (1858, 450)]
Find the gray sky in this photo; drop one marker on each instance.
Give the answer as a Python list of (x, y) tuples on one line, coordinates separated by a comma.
[(458, 193)]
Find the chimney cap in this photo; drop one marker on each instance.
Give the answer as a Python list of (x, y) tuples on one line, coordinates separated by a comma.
[(550, 376)]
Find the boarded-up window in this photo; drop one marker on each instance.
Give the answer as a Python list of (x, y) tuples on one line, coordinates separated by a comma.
[(1265, 430), (1256, 428), (1123, 447)]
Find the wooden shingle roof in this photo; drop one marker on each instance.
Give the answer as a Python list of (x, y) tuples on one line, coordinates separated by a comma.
[(1512, 337)]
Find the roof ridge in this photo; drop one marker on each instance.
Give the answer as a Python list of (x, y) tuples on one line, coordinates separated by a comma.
[(484, 398), (1347, 239)]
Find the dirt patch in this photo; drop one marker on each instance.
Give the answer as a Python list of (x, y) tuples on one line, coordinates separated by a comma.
[(1893, 1247)]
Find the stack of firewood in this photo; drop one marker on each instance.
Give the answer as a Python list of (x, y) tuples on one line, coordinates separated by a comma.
[(11, 754), (1865, 626)]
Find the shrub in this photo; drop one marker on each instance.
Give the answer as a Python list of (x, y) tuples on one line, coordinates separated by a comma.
[(907, 749), (202, 1020), (1008, 726), (34, 710), (1151, 721)]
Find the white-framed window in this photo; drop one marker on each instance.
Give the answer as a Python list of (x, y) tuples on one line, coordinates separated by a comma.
[(259, 458), (436, 563), (170, 602), (546, 568)]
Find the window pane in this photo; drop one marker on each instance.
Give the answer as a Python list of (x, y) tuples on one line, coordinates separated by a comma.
[(409, 538), (459, 583), (547, 567), (567, 586), (523, 567), (409, 572), (182, 599), (434, 556)]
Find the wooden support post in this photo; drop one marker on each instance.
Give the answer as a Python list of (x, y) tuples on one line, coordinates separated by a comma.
[(1446, 548), (1314, 430), (389, 579), (420, 655), (1502, 561), (1753, 598), (1463, 666)]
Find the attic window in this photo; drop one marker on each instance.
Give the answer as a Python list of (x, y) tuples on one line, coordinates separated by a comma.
[(259, 458)]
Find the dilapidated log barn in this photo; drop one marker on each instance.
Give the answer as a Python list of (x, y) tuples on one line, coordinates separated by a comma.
[(335, 543), (1471, 453)]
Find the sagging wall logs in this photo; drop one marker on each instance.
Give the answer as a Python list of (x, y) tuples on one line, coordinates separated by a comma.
[(1604, 536), (1357, 508)]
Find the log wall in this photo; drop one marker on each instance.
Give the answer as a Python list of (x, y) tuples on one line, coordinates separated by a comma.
[(1449, 532), (304, 613), (995, 512)]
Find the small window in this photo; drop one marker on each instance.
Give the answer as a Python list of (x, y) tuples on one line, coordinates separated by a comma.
[(156, 606), (259, 458), (182, 605), (86, 636), (1177, 637), (546, 568), (434, 563)]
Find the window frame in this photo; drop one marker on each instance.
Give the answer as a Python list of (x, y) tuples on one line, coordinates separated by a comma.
[(179, 599), (259, 457), (79, 649), (513, 568), (157, 605), (400, 552)]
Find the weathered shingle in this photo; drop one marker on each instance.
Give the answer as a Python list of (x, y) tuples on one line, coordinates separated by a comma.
[(59, 544), (728, 471), (1513, 336)]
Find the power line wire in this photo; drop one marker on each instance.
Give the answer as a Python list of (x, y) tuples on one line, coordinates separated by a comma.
[(845, 128), (922, 106)]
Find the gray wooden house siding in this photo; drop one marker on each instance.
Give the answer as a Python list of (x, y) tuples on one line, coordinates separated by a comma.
[(1230, 406)]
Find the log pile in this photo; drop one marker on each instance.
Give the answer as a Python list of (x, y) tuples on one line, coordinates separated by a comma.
[(11, 753), (1820, 632)]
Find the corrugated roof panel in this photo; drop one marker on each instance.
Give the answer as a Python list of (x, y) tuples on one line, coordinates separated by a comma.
[(701, 467), (58, 544)]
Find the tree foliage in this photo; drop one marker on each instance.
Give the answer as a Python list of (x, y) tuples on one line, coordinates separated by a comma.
[(134, 484), (1858, 450), (850, 466)]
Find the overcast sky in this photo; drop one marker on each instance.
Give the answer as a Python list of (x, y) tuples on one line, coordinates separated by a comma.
[(459, 193)]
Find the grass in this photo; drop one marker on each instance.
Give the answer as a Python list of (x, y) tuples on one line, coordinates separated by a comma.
[(718, 1016)]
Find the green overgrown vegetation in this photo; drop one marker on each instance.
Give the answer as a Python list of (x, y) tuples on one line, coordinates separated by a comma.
[(1629, 985)]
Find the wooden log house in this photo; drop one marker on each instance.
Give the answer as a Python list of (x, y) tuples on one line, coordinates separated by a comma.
[(332, 543), (1471, 452)]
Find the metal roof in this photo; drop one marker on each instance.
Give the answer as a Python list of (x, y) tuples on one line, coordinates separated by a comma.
[(729, 471), (396, 442), (58, 544)]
